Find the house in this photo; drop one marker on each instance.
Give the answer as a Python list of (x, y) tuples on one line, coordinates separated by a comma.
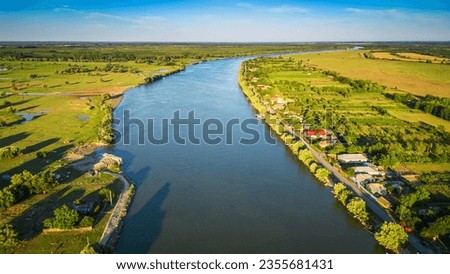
[(352, 158), (377, 188), (85, 208), (276, 100), (363, 179), (262, 86), (366, 170), (316, 133), (278, 106)]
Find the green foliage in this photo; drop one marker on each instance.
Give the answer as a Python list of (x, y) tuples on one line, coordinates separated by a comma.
[(440, 227), (357, 207), (88, 249), (313, 167), (63, 218), (87, 221), (322, 174), (405, 210), (105, 132), (24, 185), (35, 184), (9, 152), (114, 168), (342, 193), (7, 198), (8, 238), (392, 236)]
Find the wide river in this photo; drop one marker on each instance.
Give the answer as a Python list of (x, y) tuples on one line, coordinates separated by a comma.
[(223, 198)]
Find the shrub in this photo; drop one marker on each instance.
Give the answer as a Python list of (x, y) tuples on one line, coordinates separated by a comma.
[(63, 218), (87, 221), (8, 238), (9, 152)]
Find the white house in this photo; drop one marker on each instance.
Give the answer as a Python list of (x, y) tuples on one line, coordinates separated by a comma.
[(352, 158), (366, 170)]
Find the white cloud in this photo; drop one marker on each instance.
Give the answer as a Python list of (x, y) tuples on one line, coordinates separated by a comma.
[(283, 9), (374, 12)]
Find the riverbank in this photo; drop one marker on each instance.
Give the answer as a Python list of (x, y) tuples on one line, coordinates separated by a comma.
[(113, 227), (321, 169), (278, 114)]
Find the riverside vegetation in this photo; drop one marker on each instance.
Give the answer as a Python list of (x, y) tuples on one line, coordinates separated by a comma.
[(373, 118)]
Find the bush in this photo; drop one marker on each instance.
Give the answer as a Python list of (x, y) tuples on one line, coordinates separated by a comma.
[(63, 218), (7, 198), (9, 152), (87, 221), (8, 238)]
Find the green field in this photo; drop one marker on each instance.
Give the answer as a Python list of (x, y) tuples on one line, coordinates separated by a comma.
[(414, 77)]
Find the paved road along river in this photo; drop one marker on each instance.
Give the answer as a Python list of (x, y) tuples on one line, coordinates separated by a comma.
[(223, 198)]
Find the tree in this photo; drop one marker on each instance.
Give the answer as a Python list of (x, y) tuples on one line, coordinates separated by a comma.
[(405, 211), (342, 193), (9, 152), (7, 198), (440, 227), (358, 208), (64, 218), (8, 238), (392, 236), (322, 174)]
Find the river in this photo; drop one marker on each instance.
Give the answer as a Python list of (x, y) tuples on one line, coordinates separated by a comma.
[(222, 198)]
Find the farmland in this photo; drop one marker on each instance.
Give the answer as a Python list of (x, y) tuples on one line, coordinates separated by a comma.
[(413, 77)]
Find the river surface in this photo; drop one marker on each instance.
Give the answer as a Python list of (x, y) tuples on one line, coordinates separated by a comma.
[(222, 198)]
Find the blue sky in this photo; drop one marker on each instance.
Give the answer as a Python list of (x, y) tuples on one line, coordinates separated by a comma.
[(225, 21)]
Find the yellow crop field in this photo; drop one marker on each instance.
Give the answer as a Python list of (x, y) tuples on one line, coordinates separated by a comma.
[(413, 77)]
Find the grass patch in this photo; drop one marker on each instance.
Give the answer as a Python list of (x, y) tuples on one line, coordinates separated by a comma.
[(431, 167), (417, 116)]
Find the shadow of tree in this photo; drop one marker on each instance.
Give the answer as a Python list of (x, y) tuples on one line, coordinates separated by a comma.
[(38, 164), (29, 223), (9, 140), (27, 108), (14, 104), (40, 145), (148, 231)]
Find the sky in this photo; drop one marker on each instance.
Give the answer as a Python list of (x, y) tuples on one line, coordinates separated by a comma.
[(224, 21)]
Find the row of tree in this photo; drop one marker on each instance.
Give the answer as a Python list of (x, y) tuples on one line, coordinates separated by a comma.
[(25, 185), (105, 132), (437, 106), (355, 205), (321, 173)]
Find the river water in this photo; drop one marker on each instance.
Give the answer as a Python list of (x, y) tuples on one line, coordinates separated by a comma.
[(222, 198)]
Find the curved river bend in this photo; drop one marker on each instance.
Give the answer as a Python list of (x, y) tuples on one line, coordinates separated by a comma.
[(223, 198)]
